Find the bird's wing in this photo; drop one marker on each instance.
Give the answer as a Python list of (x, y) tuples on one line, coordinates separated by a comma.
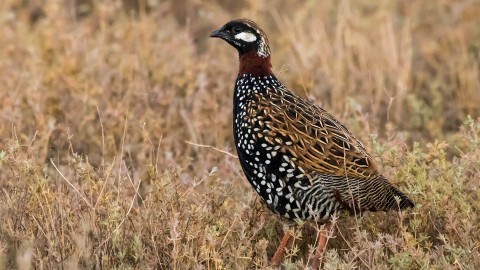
[(319, 143)]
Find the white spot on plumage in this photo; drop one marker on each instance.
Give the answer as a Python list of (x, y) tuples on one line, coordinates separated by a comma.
[(275, 200), (298, 207)]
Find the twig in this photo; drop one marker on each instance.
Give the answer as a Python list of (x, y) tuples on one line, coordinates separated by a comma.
[(109, 171), (103, 136), (228, 232), (131, 203), (212, 147), (74, 188), (126, 215)]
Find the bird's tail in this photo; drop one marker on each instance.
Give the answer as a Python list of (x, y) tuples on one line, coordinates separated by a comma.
[(400, 200), (376, 194)]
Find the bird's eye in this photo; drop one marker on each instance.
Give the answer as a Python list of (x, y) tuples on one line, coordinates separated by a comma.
[(236, 29)]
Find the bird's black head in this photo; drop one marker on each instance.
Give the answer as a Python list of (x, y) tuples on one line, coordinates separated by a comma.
[(245, 36)]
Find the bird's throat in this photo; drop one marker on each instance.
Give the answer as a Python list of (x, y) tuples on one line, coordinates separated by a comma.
[(251, 63)]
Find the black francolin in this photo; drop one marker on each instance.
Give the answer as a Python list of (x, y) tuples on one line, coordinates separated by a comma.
[(302, 162)]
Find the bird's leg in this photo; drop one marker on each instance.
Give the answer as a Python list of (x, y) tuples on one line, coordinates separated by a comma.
[(323, 237), (278, 257), (321, 245)]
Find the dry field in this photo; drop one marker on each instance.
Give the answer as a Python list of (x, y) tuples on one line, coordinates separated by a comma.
[(100, 99)]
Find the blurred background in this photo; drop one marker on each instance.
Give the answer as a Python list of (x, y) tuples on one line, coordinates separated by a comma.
[(395, 68), (117, 90)]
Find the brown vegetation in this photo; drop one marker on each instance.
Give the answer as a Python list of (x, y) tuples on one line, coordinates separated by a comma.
[(98, 99)]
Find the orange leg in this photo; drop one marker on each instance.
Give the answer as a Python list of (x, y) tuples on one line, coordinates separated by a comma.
[(278, 257), (321, 245), (323, 237)]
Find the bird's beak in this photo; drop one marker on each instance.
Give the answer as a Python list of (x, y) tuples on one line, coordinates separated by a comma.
[(219, 33)]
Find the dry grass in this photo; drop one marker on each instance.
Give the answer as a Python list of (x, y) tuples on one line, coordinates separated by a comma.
[(98, 101)]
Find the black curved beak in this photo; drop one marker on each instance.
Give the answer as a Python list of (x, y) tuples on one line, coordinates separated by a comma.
[(219, 33)]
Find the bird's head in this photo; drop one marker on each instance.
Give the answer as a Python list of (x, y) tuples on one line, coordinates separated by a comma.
[(245, 36)]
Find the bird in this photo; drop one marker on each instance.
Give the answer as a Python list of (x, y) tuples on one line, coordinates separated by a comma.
[(303, 163)]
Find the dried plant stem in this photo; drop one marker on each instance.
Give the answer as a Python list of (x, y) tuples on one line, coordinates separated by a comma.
[(212, 147)]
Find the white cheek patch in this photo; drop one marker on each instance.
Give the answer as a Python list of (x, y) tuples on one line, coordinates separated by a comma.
[(246, 36)]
